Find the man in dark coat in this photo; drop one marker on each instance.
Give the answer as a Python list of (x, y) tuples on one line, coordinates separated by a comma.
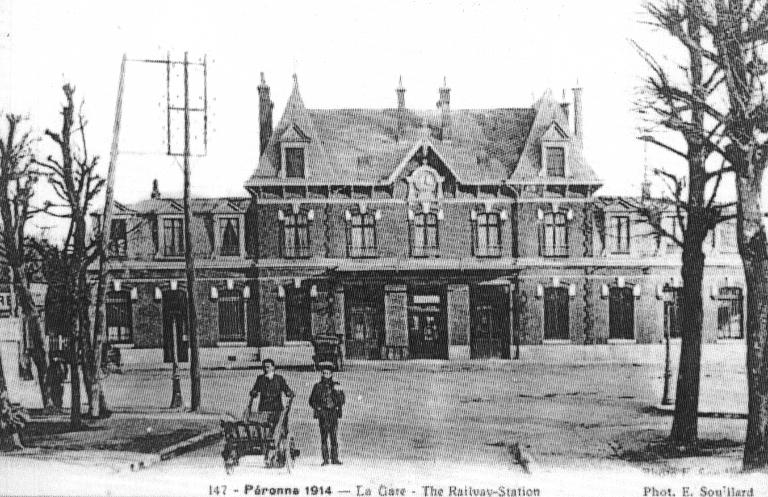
[(327, 400), (268, 391)]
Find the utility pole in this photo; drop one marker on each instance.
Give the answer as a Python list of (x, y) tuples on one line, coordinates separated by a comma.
[(194, 362), (189, 263)]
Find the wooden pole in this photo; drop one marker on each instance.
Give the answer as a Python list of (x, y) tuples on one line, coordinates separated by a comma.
[(194, 363)]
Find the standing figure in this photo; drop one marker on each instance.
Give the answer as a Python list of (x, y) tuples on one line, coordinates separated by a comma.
[(268, 391), (327, 400)]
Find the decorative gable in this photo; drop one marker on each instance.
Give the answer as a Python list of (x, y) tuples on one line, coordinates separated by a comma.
[(294, 134)]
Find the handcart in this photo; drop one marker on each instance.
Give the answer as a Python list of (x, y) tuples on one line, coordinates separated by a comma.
[(260, 433), (328, 349)]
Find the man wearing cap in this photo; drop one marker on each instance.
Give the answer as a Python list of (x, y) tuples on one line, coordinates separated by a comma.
[(327, 400)]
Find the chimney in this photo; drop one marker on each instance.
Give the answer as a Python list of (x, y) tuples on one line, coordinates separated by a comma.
[(155, 190), (578, 116), (444, 104), (566, 107), (400, 90), (265, 115)]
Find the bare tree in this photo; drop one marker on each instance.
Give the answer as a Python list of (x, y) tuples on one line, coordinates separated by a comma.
[(75, 183), (18, 177), (740, 32), (680, 99)]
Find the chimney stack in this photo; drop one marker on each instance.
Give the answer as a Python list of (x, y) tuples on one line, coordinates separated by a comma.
[(155, 190), (566, 107), (400, 90), (578, 116), (265, 115), (444, 104)]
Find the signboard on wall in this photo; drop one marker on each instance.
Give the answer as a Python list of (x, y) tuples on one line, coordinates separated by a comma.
[(5, 304)]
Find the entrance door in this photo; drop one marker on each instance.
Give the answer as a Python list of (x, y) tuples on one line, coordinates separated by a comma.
[(174, 319), (231, 323), (556, 315), (621, 313), (427, 334), (490, 322), (364, 317), (672, 317)]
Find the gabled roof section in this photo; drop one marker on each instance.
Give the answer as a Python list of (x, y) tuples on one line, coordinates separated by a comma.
[(548, 112), (371, 146), (294, 134), (554, 133), (296, 122), (426, 144)]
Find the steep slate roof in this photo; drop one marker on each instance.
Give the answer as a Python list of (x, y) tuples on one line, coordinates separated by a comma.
[(154, 206), (349, 146)]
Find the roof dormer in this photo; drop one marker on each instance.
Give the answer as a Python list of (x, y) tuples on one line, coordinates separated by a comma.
[(554, 152), (293, 147)]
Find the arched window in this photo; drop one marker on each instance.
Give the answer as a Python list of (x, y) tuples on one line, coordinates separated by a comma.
[(554, 235), (424, 235), (488, 236), (361, 235), (296, 236)]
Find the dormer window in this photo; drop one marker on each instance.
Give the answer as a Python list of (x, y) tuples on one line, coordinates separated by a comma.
[(173, 237), (294, 162), (230, 237), (555, 158), (293, 148), (554, 152)]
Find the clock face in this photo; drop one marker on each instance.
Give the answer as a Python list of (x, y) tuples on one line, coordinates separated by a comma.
[(426, 182)]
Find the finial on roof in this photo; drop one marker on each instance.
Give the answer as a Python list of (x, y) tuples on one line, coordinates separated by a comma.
[(400, 82), (155, 189), (262, 78), (295, 80), (445, 82)]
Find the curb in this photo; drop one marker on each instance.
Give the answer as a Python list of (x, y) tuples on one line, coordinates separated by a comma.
[(201, 440), (669, 409)]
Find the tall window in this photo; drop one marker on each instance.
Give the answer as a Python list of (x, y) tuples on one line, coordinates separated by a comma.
[(298, 322), (173, 237), (294, 162), (728, 243), (729, 317), (229, 236), (424, 240), (119, 318), (296, 236), (554, 235), (620, 234), (231, 316), (671, 225), (488, 242), (555, 161), (118, 244), (361, 235), (672, 316)]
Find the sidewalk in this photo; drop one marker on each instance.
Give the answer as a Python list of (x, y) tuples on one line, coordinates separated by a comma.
[(126, 441)]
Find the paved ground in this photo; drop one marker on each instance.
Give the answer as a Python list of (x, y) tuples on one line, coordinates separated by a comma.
[(570, 408), (469, 412)]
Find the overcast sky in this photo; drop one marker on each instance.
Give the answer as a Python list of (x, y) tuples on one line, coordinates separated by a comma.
[(346, 54)]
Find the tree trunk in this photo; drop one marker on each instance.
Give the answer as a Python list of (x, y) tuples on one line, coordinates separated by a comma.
[(754, 254), (36, 333), (685, 424)]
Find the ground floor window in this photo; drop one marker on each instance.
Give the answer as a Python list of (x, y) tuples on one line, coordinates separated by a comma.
[(119, 317), (175, 338), (298, 322), (729, 313), (231, 316), (621, 313), (672, 317), (556, 314)]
